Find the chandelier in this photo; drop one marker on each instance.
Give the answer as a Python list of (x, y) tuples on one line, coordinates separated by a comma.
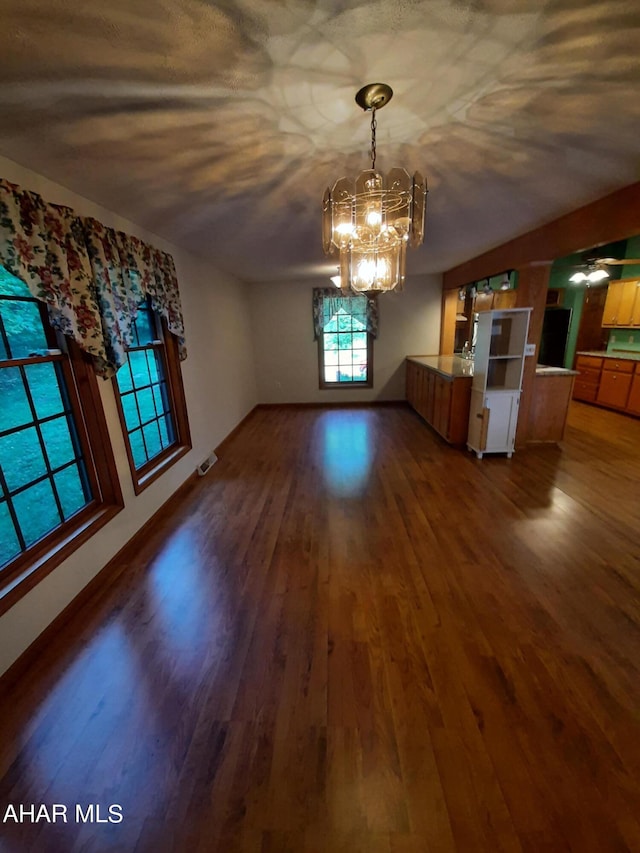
[(371, 219)]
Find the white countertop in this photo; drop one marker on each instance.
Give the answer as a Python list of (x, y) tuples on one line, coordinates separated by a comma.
[(544, 370), (449, 366), (624, 354), (454, 366)]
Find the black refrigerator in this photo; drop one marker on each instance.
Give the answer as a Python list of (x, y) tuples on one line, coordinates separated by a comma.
[(555, 334)]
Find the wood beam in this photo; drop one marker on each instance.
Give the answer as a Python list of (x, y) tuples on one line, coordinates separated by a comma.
[(614, 217)]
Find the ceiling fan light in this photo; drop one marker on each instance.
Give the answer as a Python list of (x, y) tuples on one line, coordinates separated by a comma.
[(577, 277), (598, 275)]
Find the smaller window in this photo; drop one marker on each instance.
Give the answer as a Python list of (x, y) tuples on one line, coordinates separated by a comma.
[(345, 348), (151, 401)]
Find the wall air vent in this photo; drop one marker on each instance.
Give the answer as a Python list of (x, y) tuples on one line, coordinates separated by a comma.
[(207, 464)]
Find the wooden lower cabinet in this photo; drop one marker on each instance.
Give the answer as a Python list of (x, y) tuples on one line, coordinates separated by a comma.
[(614, 389), (442, 401), (442, 406), (586, 385), (610, 382), (587, 391), (633, 403)]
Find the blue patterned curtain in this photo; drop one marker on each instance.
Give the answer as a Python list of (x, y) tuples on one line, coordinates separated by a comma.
[(327, 301)]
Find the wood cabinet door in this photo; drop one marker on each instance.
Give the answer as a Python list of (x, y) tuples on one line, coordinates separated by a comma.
[(635, 314), (588, 362), (413, 384), (587, 391), (431, 392), (614, 389), (633, 402), (442, 406), (421, 395), (612, 304), (483, 302), (627, 303), (438, 382), (410, 390), (586, 384), (504, 299)]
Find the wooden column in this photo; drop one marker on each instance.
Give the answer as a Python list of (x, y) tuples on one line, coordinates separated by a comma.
[(450, 307), (533, 283)]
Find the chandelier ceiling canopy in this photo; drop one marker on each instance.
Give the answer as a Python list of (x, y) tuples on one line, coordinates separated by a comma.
[(370, 220)]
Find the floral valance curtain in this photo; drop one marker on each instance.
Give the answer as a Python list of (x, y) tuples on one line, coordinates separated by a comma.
[(91, 277), (327, 301)]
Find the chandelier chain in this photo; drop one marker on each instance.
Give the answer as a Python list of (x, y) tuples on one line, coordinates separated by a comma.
[(374, 125)]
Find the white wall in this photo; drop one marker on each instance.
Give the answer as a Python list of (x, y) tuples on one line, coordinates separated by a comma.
[(220, 389), (287, 355)]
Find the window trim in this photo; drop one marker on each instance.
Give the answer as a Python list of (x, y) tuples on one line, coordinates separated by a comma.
[(325, 385), (30, 567), (152, 469)]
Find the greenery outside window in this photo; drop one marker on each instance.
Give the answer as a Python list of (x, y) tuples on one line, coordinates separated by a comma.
[(345, 348), (150, 398), (58, 481)]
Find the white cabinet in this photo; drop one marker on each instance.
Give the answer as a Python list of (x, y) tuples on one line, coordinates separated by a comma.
[(497, 380)]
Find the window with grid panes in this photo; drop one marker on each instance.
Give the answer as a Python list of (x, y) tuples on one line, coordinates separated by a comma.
[(345, 349), (50, 480), (151, 399)]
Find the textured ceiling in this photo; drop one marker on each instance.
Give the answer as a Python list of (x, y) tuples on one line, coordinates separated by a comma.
[(218, 124)]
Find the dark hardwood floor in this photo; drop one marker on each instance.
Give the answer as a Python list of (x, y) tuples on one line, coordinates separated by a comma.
[(352, 638)]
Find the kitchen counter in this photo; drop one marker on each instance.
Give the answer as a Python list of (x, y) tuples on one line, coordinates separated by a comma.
[(439, 389), (445, 406), (620, 354), (552, 391), (449, 366), (544, 370), (454, 366)]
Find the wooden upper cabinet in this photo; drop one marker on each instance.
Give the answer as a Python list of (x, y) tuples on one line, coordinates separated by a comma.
[(627, 301), (635, 314), (612, 304), (503, 299), (483, 301), (496, 300), (622, 307)]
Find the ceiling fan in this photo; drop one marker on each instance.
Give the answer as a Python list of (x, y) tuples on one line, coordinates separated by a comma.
[(612, 262), (592, 269)]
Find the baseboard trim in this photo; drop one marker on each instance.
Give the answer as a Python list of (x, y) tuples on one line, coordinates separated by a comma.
[(352, 404), (219, 450), (96, 587)]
